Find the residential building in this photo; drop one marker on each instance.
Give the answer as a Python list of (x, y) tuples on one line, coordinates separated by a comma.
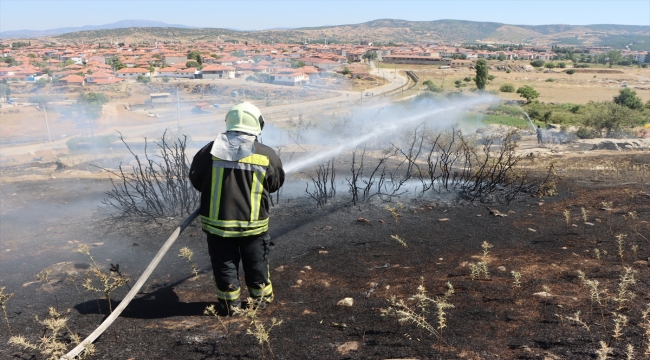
[(132, 73)]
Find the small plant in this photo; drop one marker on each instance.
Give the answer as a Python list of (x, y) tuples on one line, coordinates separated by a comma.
[(4, 297), (576, 318), (623, 294), (597, 252), (607, 205), (109, 282), (400, 240), (516, 275), (210, 310), (629, 352), (394, 213), (44, 277), (260, 329), (620, 241), (417, 312), (481, 268), (604, 349), (585, 216), (620, 321), (567, 219), (594, 294), (54, 345), (186, 253)]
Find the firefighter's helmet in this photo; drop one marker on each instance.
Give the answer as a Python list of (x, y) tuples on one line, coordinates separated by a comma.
[(246, 118)]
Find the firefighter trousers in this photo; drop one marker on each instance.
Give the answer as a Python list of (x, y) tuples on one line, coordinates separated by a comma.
[(225, 255)]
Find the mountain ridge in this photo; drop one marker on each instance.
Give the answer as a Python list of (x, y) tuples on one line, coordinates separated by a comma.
[(384, 31)]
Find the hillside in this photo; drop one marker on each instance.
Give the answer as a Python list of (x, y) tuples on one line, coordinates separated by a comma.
[(384, 31)]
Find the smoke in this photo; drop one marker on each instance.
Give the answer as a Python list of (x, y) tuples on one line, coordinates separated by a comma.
[(375, 126)]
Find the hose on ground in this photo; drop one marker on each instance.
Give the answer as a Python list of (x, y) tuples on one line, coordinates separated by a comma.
[(136, 288)]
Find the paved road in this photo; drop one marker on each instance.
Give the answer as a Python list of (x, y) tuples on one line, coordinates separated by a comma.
[(344, 98)]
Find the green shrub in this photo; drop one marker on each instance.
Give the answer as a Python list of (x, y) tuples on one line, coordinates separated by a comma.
[(89, 143), (507, 88), (537, 63), (550, 65), (549, 80), (586, 133)]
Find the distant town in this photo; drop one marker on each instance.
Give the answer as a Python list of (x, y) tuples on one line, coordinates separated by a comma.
[(110, 62)]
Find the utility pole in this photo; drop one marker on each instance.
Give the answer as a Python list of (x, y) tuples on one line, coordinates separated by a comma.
[(178, 109), (47, 125)]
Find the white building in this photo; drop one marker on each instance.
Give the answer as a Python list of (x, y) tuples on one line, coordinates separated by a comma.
[(288, 79), (132, 73)]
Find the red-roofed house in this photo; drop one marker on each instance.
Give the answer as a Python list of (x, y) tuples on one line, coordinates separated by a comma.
[(72, 80), (218, 72)]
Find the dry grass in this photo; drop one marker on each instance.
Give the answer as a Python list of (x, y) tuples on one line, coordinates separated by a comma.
[(578, 88)]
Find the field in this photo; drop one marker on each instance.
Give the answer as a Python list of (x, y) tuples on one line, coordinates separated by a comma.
[(578, 88)]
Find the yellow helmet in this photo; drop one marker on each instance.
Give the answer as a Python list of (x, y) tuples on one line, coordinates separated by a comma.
[(246, 118)]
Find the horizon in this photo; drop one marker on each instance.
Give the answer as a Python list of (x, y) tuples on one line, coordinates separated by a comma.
[(273, 14)]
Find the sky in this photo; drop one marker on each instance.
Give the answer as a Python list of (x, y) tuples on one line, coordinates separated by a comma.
[(256, 15)]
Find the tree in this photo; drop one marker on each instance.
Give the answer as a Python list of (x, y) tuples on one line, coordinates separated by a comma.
[(192, 64), (501, 57), (627, 97), (89, 108), (537, 63), (550, 65), (297, 63), (611, 117), (570, 72), (41, 100), (528, 93), (115, 63), (481, 74), (614, 57), (196, 56), (346, 71), (370, 55), (431, 86), (68, 62), (561, 65)]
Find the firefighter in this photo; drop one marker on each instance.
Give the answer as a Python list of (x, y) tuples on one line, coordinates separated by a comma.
[(235, 175)]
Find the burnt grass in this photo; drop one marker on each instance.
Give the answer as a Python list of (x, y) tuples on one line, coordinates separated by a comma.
[(322, 255)]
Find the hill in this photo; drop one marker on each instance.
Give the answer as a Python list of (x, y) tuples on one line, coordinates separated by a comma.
[(383, 31), (64, 30)]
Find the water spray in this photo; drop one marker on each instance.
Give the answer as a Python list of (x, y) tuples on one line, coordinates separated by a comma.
[(378, 132), (136, 288), (527, 117)]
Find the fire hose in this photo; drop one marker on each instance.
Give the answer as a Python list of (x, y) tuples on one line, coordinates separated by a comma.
[(136, 288)]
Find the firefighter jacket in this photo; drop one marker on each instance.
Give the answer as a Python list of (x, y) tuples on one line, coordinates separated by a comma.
[(235, 191)]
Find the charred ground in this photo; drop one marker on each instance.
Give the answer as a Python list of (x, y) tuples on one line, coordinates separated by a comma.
[(323, 255)]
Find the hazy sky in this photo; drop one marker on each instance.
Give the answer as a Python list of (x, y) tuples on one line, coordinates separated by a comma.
[(249, 15)]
